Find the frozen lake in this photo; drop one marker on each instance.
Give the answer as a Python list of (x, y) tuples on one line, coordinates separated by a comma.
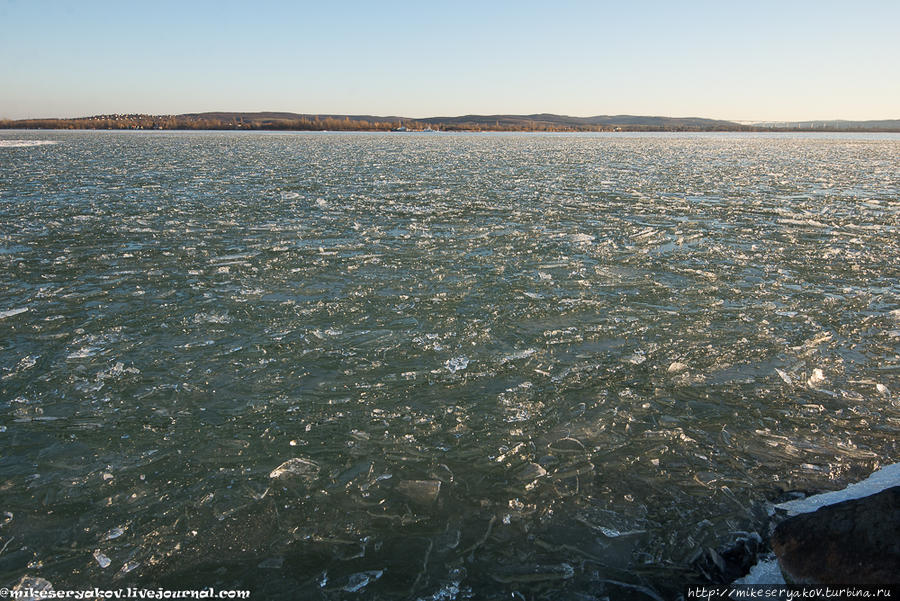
[(501, 363)]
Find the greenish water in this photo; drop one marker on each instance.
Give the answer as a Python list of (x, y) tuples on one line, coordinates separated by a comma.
[(509, 364)]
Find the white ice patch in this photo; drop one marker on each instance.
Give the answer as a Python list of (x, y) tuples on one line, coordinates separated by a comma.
[(233, 259), (764, 572), (817, 377), (637, 358), (456, 364), (215, 318), (11, 312), (25, 143), (518, 355), (84, 353), (582, 238)]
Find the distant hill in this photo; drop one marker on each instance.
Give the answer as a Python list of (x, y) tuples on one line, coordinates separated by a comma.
[(272, 120), (564, 121), (834, 124), (541, 121), (269, 116)]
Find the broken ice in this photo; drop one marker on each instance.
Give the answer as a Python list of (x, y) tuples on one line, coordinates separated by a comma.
[(456, 364)]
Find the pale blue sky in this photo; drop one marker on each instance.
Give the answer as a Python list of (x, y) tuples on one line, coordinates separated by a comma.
[(756, 60)]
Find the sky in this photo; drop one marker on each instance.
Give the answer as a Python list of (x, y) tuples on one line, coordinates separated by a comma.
[(750, 61)]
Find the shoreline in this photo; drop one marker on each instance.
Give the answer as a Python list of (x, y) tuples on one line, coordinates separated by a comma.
[(540, 122), (463, 130), (837, 132)]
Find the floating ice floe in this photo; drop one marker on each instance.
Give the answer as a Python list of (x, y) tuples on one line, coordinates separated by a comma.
[(303, 468), (102, 559), (456, 364), (233, 259), (424, 492), (636, 359), (27, 362), (213, 318), (517, 355), (613, 533), (31, 588), (129, 566), (784, 376), (447, 592), (360, 580), (677, 367), (531, 471), (817, 377), (84, 353), (11, 312)]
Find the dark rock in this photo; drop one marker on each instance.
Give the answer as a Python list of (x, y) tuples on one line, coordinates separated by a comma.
[(851, 542), (729, 562)]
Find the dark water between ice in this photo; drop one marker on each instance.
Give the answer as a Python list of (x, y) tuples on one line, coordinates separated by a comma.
[(506, 364)]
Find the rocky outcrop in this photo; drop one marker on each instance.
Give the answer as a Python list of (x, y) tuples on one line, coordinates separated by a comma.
[(850, 542)]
